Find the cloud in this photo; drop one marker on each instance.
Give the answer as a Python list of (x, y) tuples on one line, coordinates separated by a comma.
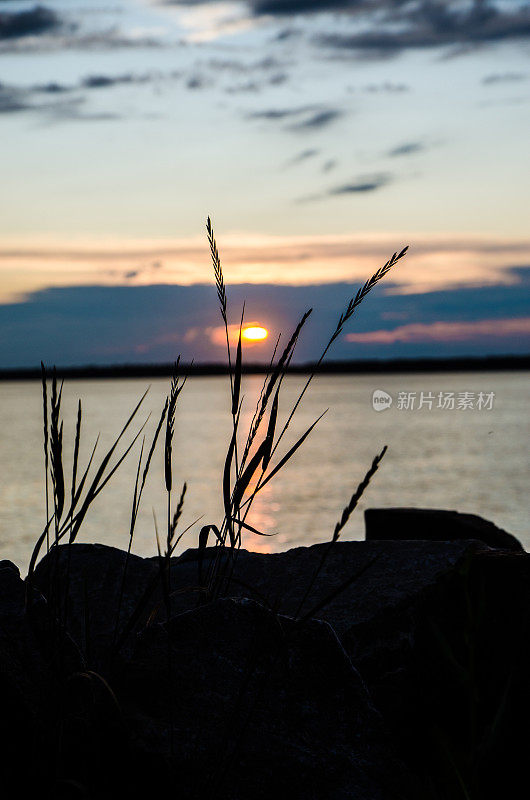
[(251, 76), (304, 118), (36, 20), (387, 87), (320, 119), (273, 114), (433, 262), (239, 67), (394, 25), (61, 37), (287, 35), (68, 102), (406, 149), (362, 185), (255, 86), (504, 77), (12, 100), (303, 155), (447, 332), (196, 82), (283, 8), (435, 24), (156, 323), (107, 81), (51, 88)]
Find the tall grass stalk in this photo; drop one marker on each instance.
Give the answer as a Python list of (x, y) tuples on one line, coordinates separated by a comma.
[(70, 522), (44, 383), (236, 508), (346, 514)]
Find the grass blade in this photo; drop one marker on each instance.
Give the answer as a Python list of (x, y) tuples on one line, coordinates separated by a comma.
[(203, 542), (46, 436), (176, 516), (247, 475), (98, 482), (56, 449), (227, 493), (237, 376), (356, 496), (269, 438), (291, 452), (251, 529), (170, 425), (76, 450)]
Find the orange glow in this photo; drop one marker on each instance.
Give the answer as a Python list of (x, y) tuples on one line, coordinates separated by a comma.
[(254, 334)]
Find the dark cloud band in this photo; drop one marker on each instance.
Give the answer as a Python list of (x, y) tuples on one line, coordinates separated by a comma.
[(35, 21)]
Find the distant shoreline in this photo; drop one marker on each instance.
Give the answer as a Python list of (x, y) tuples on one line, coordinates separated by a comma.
[(402, 365)]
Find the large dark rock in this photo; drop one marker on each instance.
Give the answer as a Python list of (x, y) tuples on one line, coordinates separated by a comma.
[(438, 630), (359, 581), (252, 705), (469, 673), (36, 656), (92, 577), (435, 525)]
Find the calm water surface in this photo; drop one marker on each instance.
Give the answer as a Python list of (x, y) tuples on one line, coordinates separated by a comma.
[(469, 460)]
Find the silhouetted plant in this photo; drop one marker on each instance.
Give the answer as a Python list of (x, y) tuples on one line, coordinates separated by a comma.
[(250, 464)]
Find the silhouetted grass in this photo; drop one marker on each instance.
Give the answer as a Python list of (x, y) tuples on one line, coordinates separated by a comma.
[(252, 460)]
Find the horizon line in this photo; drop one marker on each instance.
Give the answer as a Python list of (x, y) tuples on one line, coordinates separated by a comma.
[(373, 365)]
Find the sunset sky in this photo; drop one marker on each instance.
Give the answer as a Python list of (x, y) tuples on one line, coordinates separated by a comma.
[(320, 135)]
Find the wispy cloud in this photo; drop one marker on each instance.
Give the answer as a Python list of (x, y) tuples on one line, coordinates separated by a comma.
[(101, 81), (299, 118), (433, 263), (317, 120), (66, 106), (34, 21), (430, 24), (280, 114), (388, 87), (406, 149), (446, 332), (362, 185), (390, 26), (303, 155), (504, 77), (62, 101)]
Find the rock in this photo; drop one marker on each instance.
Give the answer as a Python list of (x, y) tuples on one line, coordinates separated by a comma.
[(435, 525), (258, 707), (35, 658), (95, 576), (438, 630)]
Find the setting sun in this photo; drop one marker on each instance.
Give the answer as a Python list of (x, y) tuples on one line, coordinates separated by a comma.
[(255, 333)]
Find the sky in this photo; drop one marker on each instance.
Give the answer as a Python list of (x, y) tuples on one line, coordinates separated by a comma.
[(320, 135)]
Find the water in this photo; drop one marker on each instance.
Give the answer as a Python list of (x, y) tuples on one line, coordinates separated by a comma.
[(470, 460)]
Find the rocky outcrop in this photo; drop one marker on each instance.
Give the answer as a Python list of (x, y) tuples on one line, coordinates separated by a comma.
[(430, 524), (36, 656), (104, 587), (377, 669), (252, 705)]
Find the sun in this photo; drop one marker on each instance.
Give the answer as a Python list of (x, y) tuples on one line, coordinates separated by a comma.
[(254, 334)]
